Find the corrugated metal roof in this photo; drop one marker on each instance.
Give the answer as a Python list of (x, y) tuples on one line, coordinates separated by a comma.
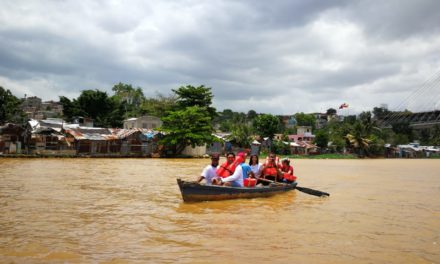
[(124, 133), (83, 133), (88, 133)]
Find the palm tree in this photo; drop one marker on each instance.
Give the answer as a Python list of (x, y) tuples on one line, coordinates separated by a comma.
[(241, 135), (358, 138)]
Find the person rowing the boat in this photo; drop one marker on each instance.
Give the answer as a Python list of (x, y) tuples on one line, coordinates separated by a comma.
[(209, 173), (287, 171), (270, 171), (241, 172)]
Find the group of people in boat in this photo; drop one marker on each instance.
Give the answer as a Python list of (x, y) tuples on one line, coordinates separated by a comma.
[(235, 172)]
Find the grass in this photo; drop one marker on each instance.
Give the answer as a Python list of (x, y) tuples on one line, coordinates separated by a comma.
[(325, 156), (319, 156), (434, 156)]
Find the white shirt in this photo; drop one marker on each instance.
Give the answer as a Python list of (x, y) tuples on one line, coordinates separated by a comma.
[(256, 170), (209, 173), (237, 176)]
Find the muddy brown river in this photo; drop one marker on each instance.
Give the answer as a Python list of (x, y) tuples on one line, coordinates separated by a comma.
[(131, 211)]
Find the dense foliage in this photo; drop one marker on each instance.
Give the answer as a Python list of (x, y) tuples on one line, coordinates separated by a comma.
[(10, 110), (104, 110), (190, 123), (190, 126), (190, 119), (266, 125)]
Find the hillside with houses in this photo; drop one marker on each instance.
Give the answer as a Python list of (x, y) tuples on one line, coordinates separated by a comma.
[(127, 124)]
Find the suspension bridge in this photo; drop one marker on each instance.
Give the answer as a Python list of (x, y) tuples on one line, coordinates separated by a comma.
[(420, 109)]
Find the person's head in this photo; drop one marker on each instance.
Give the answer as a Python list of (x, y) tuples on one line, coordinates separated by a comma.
[(214, 159), (285, 162), (272, 157), (230, 157), (253, 160)]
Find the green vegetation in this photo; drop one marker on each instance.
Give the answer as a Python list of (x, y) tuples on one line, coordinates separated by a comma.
[(106, 111), (266, 125), (10, 110), (319, 156), (305, 119), (325, 156), (189, 119), (190, 124), (435, 156)]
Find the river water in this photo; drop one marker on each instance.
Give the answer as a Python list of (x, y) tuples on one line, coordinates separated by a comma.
[(131, 211)]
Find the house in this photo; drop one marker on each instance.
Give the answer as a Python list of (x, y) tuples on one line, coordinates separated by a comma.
[(304, 133), (36, 109), (83, 121), (46, 137), (302, 142), (55, 137), (11, 139), (145, 122), (31, 105), (92, 141), (289, 121), (95, 141), (135, 142)]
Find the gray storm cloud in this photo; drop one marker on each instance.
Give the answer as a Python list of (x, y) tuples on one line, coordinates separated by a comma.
[(279, 57)]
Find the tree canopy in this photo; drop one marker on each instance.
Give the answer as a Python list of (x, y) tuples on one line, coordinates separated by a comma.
[(106, 111), (191, 122), (195, 96), (266, 125), (130, 97), (305, 119), (10, 110), (159, 106), (189, 126)]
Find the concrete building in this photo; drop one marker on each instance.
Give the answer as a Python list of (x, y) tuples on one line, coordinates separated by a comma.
[(145, 122)]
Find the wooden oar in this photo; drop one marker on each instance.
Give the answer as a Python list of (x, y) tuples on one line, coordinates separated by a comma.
[(302, 189), (311, 191)]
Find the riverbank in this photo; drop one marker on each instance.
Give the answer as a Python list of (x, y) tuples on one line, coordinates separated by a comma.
[(342, 156), (262, 156)]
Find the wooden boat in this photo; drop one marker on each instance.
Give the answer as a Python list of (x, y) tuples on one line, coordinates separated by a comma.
[(195, 192)]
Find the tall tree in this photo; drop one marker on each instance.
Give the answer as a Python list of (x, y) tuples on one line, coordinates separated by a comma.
[(321, 139), (191, 122), (189, 126), (241, 134), (368, 122), (10, 110), (266, 125), (97, 105), (403, 129), (159, 106), (435, 136), (358, 138), (70, 108), (380, 113), (130, 97), (305, 119), (226, 114), (195, 96), (251, 115)]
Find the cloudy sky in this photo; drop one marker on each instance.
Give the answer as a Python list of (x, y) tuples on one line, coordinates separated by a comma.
[(279, 56)]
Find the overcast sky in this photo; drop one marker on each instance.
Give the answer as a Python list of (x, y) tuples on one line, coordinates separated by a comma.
[(279, 56)]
